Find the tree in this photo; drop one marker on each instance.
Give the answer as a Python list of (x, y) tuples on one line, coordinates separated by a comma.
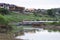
[(59, 11), (4, 11), (50, 12), (38, 10)]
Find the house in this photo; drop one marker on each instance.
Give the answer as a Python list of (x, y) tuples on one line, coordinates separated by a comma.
[(16, 8), (12, 7)]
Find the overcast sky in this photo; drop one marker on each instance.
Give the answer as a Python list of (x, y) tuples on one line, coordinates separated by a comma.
[(43, 4)]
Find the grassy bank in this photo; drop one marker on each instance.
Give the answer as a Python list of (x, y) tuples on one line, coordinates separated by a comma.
[(18, 17)]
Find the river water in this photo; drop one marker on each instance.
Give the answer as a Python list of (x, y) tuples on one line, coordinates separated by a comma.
[(40, 35)]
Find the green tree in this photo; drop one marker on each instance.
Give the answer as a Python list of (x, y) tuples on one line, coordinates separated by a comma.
[(4, 11), (50, 13)]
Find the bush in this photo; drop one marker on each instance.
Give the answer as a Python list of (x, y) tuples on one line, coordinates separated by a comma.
[(4, 25), (3, 20)]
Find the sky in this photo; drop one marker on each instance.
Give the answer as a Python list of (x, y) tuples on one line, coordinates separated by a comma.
[(42, 4)]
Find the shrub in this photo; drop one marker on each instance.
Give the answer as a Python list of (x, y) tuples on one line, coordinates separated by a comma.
[(3, 20), (4, 27)]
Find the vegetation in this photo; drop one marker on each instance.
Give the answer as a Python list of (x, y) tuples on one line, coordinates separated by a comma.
[(4, 24), (19, 17), (50, 13), (4, 11), (3, 20)]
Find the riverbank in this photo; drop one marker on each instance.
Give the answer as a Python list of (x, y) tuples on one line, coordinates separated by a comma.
[(50, 25)]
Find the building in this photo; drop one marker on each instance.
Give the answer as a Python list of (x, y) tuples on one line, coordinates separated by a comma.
[(12, 7), (3, 5)]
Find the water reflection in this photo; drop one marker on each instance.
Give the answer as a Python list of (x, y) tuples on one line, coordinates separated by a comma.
[(30, 31), (40, 35)]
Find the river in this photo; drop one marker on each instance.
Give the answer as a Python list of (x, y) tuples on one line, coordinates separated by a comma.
[(40, 35)]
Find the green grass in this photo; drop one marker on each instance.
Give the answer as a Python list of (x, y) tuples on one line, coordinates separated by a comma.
[(17, 17)]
